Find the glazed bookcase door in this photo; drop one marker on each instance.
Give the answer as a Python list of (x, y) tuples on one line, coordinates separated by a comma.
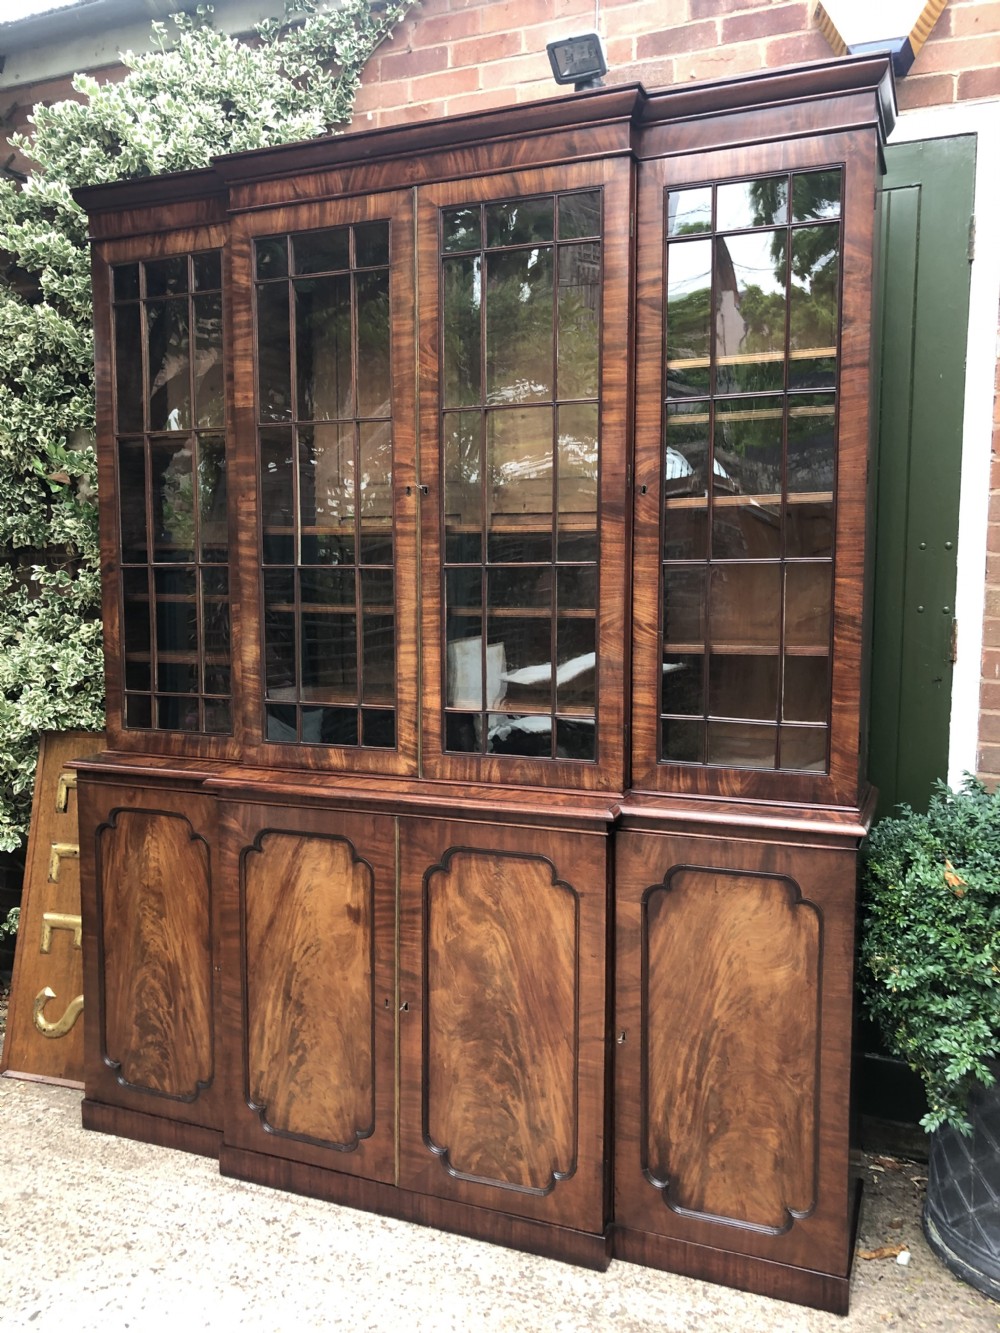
[(502, 1022), (733, 1046), (324, 336), (523, 289), (751, 457), (165, 457), (310, 991)]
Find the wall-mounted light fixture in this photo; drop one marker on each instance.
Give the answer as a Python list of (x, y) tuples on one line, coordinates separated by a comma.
[(900, 27), (578, 60)]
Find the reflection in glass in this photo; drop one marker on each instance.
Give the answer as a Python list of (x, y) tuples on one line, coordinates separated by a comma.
[(816, 194), (577, 481), (323, 347), (277, 496), (577, 314), (327, 494), (806, 688), (804, 748), (125, 278), (207, 271), (460, 229), (689, 211), (463, 494), (747, 479), (750, 312), (271, 257), (379, 646), (519, 481), (519, 326), (682, 742), (138, 711), (744, 605), (814, 300), (579, 215), (462, 331), (169, 365), (689, 317), (322, 251), (756, 203), (683, 606), (128, 368), (132, 500), (375, 492), (808, 594), (742, 744), (274, 356), (209, 381), (212, 505), (743, 686), (172, 477), (683, 683), (166, 277), (371, 244), (519, 221), (372, 290)]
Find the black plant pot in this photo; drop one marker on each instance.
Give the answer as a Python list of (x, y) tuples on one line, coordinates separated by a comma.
[(962, 1212)]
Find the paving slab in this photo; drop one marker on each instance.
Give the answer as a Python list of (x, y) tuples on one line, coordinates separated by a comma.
[(100, 1233)]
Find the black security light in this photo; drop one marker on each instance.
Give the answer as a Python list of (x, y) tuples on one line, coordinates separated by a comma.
[(578, 60)]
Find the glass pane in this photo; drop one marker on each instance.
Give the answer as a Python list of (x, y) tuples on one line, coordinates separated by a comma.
[(464, 606), (177, 677), (579, 215), (125, 278), (166, 277), (577, 482), (218, 716), (208, 271), (519, 342), (217, 679), (277, 496), (373, 344), (462, 331), (330, 657), (379, 647), (806, 690), (274, 357), (745, 606), (132, 500), (682, 742), (742, 744), (463, 732), (808, 594), (809, 529), (138, 711), (176, 625), (689, 317), (683, 607), (371, 244), (576, 738), (816, 194), (172, 474), (323, 347), (128, 368), (750, 312), (138, 674), (520, 734), (281, 723), (685, 481), (757, 203), (378, 728), (743, 686), (747, 478), (578, 320), (177, 714), (375, 492), (169, 365), (321, 251), (804, 748), (576, 664), (209, 380), (215, 631), (689, 211), (214, 519), (136, 626), (279, 635), (519, 477), (519, 221), (271, 257), (683, 683), (814, 302), (463, 492), (460, 229), (329, 588), (326, 485), (520, 586)]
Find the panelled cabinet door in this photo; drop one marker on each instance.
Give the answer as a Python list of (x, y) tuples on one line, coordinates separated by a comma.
[(502, 1024), (523, 286), (150, 980), (309, 925), (733, 1042), (753, 338), (323, 351)]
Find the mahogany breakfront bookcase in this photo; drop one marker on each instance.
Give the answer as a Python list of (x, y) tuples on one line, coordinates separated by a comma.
[(483, 527)]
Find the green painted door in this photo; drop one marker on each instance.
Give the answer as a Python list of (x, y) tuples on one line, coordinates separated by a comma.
[(926, 214)]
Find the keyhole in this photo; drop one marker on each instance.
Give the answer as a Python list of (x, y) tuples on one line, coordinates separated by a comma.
[(404, 1008)]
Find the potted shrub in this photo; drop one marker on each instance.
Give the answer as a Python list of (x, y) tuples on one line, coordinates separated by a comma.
[(930, 978)]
